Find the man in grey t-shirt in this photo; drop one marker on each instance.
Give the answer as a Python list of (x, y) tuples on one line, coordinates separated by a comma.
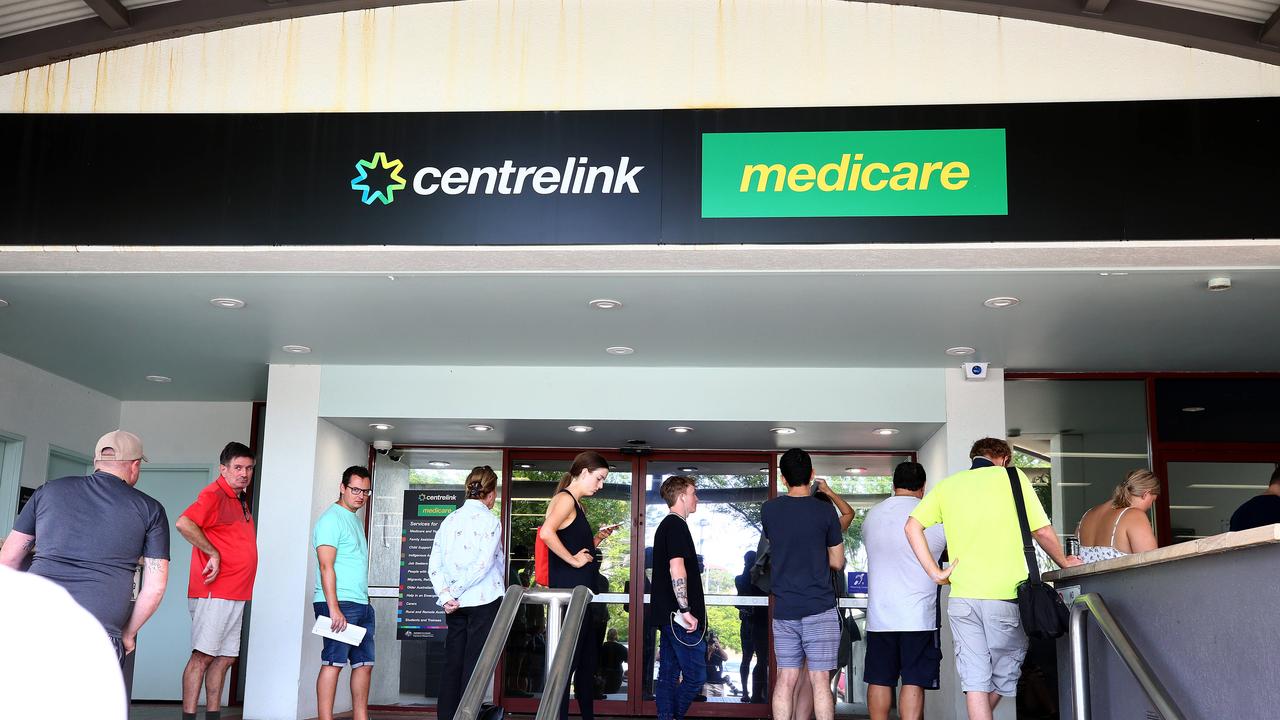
[(89, 534), (902, 609)]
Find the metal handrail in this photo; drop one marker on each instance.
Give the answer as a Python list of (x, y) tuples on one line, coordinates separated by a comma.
[(1119, 639), (473, 695), (561, 664)]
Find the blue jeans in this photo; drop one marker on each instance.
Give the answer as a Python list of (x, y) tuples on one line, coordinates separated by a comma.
[(682, 669)]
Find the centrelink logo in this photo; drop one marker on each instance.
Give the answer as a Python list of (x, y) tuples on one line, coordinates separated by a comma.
[(577, 177)]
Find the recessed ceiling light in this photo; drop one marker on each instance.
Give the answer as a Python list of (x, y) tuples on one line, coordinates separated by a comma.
[(1113, 274), (159, 379), (381, 426), (680, 429), (480, 427), (580, 428), (764, 470), (619, 350), (391, 277), (997, 303), (855, 470), (296, 349), (961, 350), (437, 463), (1219, 284), (527, 466), (227, 303), (689, 468), (4, 303), (1193, 409), (783, 430), (605, 304), (885, 431)]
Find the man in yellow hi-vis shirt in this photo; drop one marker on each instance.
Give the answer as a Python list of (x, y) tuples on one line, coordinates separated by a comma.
[(984, 544)]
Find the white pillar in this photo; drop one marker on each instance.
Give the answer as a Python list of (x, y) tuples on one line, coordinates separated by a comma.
[(280, 621), (975, 409)]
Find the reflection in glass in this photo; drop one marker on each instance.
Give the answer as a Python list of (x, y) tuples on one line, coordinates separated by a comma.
[(1203, 495), (1076, 440), (408, 671)]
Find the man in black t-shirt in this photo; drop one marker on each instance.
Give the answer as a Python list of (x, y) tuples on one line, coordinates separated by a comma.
[(805, 545), (677, 600), (1261, 510)]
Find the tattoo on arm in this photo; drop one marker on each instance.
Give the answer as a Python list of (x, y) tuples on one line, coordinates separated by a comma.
[(154, 564), (680, 586)]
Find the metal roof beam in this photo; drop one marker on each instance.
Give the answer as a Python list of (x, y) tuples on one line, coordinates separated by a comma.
[(115, 15), (1270, 34)]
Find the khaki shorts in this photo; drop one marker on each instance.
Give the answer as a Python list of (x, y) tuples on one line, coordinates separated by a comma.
[(990, 644), (215, 625)]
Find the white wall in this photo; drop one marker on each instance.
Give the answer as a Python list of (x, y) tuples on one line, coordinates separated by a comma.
[(975, 409), (545, 54), (44, 409), (723, 394), (187, 432), (336, 450)]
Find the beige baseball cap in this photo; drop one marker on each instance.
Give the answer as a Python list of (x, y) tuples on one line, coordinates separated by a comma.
[(126, 445)]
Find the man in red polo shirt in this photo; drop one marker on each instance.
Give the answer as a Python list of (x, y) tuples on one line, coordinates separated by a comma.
[(224, 560)]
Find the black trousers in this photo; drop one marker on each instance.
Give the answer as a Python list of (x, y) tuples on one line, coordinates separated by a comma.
[(584, 674), (468, 629)]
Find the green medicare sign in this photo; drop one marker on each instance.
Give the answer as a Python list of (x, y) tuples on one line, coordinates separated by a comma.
[(881, 173)]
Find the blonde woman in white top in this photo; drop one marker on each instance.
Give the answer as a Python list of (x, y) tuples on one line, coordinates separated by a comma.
[(1110, 530)]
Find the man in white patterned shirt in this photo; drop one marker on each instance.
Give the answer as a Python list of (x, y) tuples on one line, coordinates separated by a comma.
[(466, 571)]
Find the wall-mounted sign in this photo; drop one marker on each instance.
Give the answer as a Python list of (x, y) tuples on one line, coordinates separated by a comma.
[(418, 617), (1155, 170), (878, 173)]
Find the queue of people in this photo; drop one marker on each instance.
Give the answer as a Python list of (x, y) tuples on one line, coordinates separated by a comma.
[(967, 521)]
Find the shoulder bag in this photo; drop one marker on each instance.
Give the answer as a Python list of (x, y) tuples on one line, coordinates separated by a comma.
[(1044, 615)]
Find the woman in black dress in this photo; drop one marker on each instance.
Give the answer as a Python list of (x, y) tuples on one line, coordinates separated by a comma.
[(572, 562)]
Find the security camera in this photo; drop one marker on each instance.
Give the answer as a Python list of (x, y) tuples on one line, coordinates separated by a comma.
[(975, 371), (382, 446), (394, 455)]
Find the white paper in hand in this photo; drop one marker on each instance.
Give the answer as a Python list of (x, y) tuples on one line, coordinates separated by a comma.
[(352, 635)]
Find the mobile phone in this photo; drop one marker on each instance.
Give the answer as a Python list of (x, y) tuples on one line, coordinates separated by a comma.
[(678, 618), (611, 526)]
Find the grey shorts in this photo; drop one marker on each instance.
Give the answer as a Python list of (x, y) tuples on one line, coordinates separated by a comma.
[(990, 644), (215, 625), (815, 638)]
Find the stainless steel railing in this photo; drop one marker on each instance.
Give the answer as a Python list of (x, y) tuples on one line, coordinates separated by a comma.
[(473, 695), (560, 653), (1091, 603)]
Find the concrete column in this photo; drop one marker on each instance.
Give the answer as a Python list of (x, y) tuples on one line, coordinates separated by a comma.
[(975, 409), (279, 622)]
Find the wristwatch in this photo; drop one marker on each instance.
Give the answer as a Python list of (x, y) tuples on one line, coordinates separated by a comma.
[(682, 609)]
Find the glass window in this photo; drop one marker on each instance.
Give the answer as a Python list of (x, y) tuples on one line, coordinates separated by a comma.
[(1076, 440), (408, 670), (1203, 495), (534, 480), (725, 527), (1208, 410)]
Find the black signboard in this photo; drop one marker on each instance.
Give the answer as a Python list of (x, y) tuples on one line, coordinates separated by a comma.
[(418, 617), (1149, 170)]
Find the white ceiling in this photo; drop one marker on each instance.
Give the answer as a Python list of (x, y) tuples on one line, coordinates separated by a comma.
[(109, 331)]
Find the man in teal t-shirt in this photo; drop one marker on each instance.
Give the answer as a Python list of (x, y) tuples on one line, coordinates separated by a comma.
[(342, 593)]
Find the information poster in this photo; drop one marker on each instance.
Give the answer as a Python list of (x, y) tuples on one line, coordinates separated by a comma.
[(418, 617)]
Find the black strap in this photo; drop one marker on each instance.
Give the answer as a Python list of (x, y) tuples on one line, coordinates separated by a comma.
[(1033, 568)]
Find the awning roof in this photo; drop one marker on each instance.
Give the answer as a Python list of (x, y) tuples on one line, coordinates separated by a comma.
[(40, 32)]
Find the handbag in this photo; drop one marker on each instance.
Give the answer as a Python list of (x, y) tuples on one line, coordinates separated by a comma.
[(1044, 615)]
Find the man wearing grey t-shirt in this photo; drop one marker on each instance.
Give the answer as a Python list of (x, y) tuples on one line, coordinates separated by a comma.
[(902, 609), (89, 533)]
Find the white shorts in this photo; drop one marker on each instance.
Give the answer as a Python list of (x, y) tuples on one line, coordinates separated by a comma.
[(215, 625)]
